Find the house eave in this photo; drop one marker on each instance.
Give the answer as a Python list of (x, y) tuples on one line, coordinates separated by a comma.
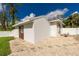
[(60, 21), (21, 23), (27, 21)]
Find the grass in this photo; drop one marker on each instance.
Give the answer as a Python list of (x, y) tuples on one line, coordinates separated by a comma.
[(5, 46)]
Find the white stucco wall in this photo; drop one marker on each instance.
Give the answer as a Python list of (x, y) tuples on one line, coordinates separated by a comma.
[(70, 31), (53, 31), (15, 33), (41, 29), (29, 33)]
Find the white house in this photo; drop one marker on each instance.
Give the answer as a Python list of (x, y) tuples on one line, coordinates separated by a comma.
[(35, 29)]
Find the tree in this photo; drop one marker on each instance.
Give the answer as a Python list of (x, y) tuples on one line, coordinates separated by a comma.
[(72, 21), (4, 18), (6, 22), (12, 11)]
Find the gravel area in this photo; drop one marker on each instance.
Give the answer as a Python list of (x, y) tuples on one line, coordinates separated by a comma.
[(59, 46)]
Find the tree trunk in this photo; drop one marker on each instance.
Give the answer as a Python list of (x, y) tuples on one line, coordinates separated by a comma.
[(13, 20), (12, 13), (3, 19)]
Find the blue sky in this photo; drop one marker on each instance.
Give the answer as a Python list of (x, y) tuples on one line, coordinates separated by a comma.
[(45, 8)]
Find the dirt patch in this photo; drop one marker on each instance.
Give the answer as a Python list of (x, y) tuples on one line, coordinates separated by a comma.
[(51, 46)]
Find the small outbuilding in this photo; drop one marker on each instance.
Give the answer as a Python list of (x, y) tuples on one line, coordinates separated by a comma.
[(35, 29)]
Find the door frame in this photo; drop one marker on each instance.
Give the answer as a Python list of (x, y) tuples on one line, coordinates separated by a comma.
[(21, 32)]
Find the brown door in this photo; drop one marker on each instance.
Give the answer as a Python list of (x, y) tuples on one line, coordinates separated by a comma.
[(21, 32)]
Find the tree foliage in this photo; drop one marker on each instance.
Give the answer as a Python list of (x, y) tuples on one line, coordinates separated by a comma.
[(72, 21), (6, 22)]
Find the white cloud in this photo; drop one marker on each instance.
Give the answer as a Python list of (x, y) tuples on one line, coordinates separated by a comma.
[(50, 15), (56, 13), (0, 7), (31, 15), (25, 18)]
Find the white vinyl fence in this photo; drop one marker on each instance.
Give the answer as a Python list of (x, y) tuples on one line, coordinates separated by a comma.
[(5, 33), (70, 31), (13, 33)]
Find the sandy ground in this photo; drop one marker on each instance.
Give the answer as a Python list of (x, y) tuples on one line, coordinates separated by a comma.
[(59, 46)]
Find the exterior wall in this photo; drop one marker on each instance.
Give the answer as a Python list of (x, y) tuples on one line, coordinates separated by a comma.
[(53, 31), (41, 29), (70, 31), (29, 33), (15, 33)]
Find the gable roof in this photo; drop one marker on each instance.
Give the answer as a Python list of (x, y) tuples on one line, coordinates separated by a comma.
[(29, 20)]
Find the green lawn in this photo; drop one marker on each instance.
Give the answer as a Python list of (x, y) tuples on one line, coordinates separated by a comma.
[(5, 46)]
